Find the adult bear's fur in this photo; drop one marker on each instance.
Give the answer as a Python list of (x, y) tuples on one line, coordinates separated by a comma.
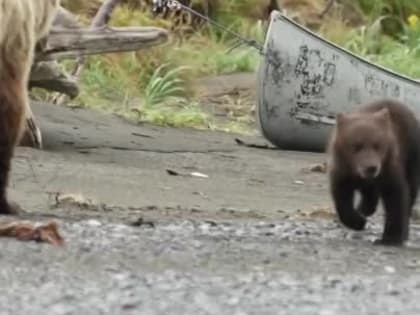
[(22, 24)]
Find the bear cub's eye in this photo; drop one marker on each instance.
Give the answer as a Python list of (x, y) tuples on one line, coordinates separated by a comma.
[(376, 146), (357, 147)]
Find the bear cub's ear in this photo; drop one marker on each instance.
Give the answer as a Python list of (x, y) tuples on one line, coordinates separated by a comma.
[(383, 116), (340, 119)]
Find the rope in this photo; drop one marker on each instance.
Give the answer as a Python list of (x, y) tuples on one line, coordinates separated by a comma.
[(176, 5)]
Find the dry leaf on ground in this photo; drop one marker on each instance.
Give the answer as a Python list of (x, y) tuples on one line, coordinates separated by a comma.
[(26, 231), (317, 213), (318, 168)]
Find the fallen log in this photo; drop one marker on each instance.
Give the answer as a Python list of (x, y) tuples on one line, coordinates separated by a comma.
[(101, 19), (72, 43), (48, 75)]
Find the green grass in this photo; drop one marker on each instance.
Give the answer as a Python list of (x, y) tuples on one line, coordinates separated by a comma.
[(164, 85), (138, 83), (182, 114), (165, 103), (401, 55)]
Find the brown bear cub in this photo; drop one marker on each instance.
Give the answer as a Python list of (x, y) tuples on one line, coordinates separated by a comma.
[(376, 151)]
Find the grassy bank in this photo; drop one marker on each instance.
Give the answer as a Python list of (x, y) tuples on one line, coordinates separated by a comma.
[(157, 85)]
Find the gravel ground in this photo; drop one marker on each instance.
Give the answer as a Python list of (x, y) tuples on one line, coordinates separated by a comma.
[(255, 237), (189, 267)]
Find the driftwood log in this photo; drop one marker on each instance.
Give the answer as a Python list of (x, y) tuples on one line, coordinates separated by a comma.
[(68, 40), (72, 43), (101, 18)]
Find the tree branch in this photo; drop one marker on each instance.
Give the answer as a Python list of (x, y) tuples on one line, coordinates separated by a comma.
[(101, 18), (327, 8)]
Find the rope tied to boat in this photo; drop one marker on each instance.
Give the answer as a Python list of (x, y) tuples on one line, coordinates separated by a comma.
[(159, 5)]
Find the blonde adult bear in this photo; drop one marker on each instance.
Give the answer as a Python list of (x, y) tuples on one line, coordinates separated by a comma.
[(22, 24)]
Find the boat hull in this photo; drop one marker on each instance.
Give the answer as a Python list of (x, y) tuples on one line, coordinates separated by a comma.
[(305, 80)]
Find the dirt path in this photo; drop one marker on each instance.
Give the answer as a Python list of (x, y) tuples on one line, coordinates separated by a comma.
[(119, 164), (252, 238), (229, 98)]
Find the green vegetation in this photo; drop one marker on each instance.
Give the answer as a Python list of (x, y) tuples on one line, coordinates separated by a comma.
[(391, 36), (157, 85)]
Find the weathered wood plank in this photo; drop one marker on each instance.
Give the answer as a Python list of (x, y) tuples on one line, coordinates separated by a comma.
[(48, 75), (72, 43)]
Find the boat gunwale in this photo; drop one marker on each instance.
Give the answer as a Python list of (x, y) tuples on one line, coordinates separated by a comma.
[(275, 14)]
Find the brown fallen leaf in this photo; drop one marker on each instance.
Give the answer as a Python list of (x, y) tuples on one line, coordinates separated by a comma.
[(252, 145), (76, 200), (26, 231), (142, 222), (172, 172), (317, 213), (322, 214), (318, 168), (315, 168)]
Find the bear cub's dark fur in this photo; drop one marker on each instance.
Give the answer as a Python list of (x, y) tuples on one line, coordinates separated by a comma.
[(376, 151)]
